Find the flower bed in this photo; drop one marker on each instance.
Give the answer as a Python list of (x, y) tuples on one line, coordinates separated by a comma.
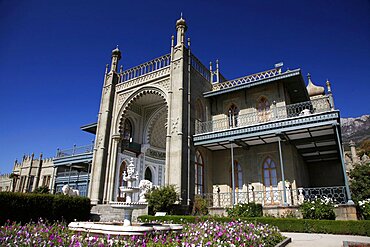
[(207, 233)]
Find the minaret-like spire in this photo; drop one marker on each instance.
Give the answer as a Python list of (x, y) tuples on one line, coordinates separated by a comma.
[(328, 85), (116, 56), (181, 28)]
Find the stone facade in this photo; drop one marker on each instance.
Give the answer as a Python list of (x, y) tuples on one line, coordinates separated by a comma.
[(264, 137), (32, 173)]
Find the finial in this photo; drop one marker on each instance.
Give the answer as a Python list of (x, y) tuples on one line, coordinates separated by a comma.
[(121, 68), (328, 86), (188, 42), (210, 66), (106, 68), (217, 64), (309, 76), (181, 15), (172, 40)]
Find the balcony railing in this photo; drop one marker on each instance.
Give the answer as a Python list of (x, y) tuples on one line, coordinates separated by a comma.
[(198, 66), (76, 150), (275, 197), (247, 79), (145, 68), (274, 113)]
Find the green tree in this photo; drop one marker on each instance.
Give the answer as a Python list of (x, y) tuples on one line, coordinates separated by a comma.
[(360, 181), (162, 199), (42, 190)]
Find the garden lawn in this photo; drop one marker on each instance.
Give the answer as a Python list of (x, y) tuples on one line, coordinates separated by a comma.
[(207, 233)]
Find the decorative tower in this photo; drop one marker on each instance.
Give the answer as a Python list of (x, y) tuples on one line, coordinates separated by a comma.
[(177, 130), (102, 138)]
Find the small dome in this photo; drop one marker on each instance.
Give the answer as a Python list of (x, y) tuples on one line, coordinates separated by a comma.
[(312, 89), (116, 52), (181, 23)]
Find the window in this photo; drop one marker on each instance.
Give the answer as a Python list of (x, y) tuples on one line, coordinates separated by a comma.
[(233, 115), (46, 180), (148, 174), (127, 131), (127, 135), (263, 108), (199, 173), (270, 180), (238, 173)]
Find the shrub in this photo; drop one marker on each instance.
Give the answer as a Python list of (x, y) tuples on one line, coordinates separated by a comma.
[(358, 227), (364, 207), (360, 181), (200, 206), (162, 199), (245, 210), (22, 207), (42, 190), (320, 209)]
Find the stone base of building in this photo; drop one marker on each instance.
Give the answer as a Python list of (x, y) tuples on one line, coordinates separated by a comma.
[(342, 212), (105, 213)]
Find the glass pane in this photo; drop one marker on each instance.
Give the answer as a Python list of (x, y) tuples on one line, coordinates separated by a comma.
[(274, 181), (273, 173), (267, 182)]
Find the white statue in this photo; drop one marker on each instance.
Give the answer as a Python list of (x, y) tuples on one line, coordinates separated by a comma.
[(69, 191), (145, 186)]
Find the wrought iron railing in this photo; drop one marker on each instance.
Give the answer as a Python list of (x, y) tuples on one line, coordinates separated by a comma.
[(274, 113), (145, 68), (246, 79), (273, 196), (76, 150), (198, 66)]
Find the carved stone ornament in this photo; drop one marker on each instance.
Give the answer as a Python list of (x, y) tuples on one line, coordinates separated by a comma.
[(175, 123), (165, 84), (122, 98)]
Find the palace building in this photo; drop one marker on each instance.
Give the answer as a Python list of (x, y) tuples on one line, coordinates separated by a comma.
[(264, 137)]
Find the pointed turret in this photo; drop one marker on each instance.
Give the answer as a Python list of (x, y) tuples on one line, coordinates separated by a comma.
[(116, 56), (181, 28)]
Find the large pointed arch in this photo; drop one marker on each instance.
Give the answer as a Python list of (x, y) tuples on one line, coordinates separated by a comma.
[(152, 90)]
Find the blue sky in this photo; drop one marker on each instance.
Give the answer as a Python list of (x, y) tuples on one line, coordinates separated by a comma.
[(53, 55)]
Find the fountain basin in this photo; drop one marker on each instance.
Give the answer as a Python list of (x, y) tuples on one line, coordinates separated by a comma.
[(129, 205), (125, 189)]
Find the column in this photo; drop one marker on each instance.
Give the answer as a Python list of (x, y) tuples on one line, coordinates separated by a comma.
[(282, 172), (350, 202)]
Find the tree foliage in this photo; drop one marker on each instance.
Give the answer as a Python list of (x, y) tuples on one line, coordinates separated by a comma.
[(42, 190), (162, 199), (360, 181)]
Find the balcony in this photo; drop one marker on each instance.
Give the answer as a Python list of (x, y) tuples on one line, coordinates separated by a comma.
[(77, 154), (301, 109), (274, 197)]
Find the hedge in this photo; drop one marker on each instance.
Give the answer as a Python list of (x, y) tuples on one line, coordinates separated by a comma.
[(361, 227), (26, 207)]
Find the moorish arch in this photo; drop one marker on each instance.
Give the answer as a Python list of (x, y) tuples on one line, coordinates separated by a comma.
[(143, 96), (155, 129)]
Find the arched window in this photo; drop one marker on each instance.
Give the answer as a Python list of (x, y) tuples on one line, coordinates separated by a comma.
[(233, 115), (148, 174), (199, 173), (127, 131), (270, 180), (263, 108), (238, 173)]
